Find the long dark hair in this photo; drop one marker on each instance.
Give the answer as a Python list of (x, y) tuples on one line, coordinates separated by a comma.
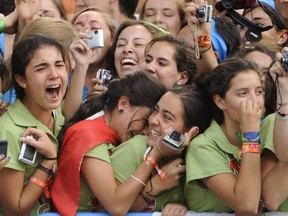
[(140, 88), (24, 51), (196, 106), (219, 81)]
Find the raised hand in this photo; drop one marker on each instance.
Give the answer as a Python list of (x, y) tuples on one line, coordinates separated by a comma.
[(250, 114), (43, 144)]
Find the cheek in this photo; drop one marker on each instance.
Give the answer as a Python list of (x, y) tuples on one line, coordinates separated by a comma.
[(234, 105), (140, 53)]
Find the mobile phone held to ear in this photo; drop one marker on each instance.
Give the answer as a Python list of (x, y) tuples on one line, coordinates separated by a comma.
[(28, 153), (3, 148), (97, 40)]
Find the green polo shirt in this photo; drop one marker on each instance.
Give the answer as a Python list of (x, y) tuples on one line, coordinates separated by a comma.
[(207, 155), (128, 156), (13, 123), (87, 201)]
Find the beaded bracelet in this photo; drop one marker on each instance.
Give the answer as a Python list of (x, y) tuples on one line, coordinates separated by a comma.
[(2, 26), (49, 171)]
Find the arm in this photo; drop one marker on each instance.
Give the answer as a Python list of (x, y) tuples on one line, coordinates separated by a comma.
[(117, 200), (280, 136), (274, 180), (81, 54), (23, 198), (26, 11), (242, 193), (208, 61), (155, 185)]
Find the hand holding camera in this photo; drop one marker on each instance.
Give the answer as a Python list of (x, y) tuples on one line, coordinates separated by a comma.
[(204, 13), (28, 153), (35, 141)]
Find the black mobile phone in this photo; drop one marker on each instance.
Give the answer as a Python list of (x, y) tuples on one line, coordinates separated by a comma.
[(3, 148)]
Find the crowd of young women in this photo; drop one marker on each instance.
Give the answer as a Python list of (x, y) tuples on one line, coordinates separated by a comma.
[(112, 147)]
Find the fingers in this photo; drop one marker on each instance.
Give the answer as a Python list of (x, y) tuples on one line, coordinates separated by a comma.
[(193, 132), (3, 162), (32, 131), (173, 209), (3, 106)]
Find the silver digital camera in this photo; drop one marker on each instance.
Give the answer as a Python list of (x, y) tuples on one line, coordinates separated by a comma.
[(174, 140), (97, 40), (104, 75), (204, 13), (28, 153)]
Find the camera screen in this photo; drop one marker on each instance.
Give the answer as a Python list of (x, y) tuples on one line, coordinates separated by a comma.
[(29, 153)]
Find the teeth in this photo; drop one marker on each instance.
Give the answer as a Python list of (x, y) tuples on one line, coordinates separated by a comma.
[(128, 61), (154, 133), (55, 86)]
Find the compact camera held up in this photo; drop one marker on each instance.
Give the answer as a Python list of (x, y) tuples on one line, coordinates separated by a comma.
[(97, 40), (204, 13), (174, 140), (104, 75)]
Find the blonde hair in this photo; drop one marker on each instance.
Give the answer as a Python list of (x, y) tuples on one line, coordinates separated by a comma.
[(59, 29)]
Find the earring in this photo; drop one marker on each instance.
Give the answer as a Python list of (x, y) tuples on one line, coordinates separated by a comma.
[(24, 85), (120, 111)]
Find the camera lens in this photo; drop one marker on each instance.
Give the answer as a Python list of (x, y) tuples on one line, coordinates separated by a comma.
[(175, 135)]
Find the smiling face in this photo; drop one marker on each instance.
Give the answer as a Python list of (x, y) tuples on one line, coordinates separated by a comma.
[(45, 80), (130, 48), (132, 121), (91, 21), (245, 86), (168, 114), (160, 62), (164, 14)]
